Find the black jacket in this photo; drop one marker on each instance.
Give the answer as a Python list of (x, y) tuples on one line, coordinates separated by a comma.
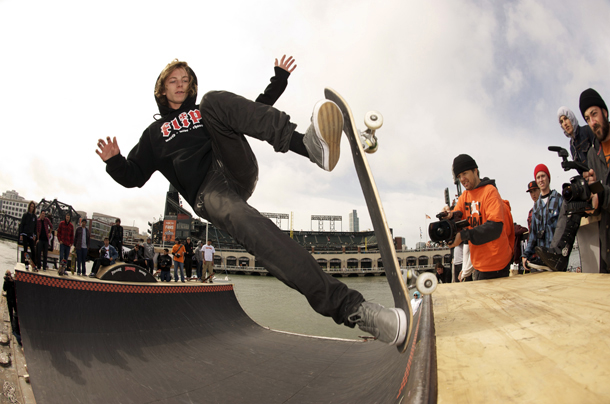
[(9, 288), (116, 234), (133, 255), (28, 224), (164, 262), (184, 160)]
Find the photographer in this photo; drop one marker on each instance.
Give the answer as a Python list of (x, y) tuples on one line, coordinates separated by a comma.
[(490, 231), (595, 112), (545, 216)]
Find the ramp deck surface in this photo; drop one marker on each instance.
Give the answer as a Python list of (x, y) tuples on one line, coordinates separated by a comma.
[(539, 338), (89, 341)]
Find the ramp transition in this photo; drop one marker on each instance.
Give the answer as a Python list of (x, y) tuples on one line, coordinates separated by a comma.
[(107, 342)]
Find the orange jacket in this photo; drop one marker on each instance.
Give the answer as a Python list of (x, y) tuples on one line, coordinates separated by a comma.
[(490, 249), (178, 249)]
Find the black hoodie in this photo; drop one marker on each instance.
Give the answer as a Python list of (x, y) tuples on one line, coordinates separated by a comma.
[(178, 145)]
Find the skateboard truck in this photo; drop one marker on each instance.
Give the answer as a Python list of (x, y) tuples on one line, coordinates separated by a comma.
[(373, 121)]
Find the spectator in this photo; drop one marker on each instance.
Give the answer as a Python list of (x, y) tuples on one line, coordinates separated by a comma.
[(581, 137), (43, 233), (164, 263), (149, 255), (208, 261), (178, 253), (65, 235), (81, 245), (467, 268), (188, 258), (546, 213), (441, 275), (199, 259), (9, 288), (116, 237), (458, 255), (534, 191), (136, 256), (595, 112), (490, 233), (108, 256), (521, 234), (27, 232)]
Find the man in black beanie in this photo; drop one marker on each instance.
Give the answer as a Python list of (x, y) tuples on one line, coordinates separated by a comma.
[(490, 233), (595, 112)]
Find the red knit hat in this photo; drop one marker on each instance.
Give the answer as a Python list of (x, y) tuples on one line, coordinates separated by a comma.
[(542, 167)]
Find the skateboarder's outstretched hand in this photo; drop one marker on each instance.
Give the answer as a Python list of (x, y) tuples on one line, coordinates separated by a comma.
[(107, 149), (286, 64)]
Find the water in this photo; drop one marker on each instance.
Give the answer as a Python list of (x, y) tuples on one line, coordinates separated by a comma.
[(271, 303)]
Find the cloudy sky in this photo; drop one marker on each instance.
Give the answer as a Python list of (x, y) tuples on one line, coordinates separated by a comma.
[(479, 77)]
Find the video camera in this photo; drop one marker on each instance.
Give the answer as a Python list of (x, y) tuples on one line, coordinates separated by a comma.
[(577, 192), (445, 229)]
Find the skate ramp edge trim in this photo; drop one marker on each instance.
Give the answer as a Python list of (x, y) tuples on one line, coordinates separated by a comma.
[(102, 342)]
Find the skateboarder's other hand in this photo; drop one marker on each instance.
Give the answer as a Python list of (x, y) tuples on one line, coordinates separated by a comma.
[(286, 64), (108, 148)]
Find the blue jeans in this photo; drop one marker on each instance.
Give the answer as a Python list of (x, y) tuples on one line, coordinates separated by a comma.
[(64, 252), (150, 264), (199, 269), (166, 276), (81, 258), (176, 266)]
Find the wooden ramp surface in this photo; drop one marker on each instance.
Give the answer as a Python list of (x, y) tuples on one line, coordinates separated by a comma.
[(539, 338)]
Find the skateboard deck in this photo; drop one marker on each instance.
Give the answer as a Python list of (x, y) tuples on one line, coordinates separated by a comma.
[(380, 224), (29, 260)]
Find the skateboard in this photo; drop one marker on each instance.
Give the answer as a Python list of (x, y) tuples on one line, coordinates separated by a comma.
[(367, 142), (73, 261), (29, 260), (205, 279), (62, 267)]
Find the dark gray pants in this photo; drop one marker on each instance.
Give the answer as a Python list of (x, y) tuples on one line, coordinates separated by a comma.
[(222, 200)]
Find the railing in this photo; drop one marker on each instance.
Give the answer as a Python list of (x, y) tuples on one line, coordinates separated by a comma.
[(9, 226)]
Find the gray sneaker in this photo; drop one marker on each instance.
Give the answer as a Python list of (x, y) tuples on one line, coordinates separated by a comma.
[(323, 137), (386, 325)]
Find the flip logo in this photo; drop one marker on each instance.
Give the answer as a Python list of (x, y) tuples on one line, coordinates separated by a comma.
[(183, 121), (475, 208)]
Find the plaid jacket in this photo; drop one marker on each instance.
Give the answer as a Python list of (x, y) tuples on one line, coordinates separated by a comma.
[(65, 233), (544, 221)]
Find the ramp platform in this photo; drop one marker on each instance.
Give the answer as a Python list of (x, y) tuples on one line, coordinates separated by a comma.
[(538, 338), (91, 341)]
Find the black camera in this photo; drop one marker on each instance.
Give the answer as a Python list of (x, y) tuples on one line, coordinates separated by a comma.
[(445, 230), (578, 192)]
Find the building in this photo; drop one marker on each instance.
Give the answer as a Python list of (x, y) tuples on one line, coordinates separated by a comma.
[(12, 204), (354, 223)]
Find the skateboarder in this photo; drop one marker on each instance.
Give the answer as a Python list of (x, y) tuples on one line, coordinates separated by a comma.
[(203, 152)]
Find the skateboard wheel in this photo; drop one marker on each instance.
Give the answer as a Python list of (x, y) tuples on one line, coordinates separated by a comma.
[(373, 120), (426, 283)]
